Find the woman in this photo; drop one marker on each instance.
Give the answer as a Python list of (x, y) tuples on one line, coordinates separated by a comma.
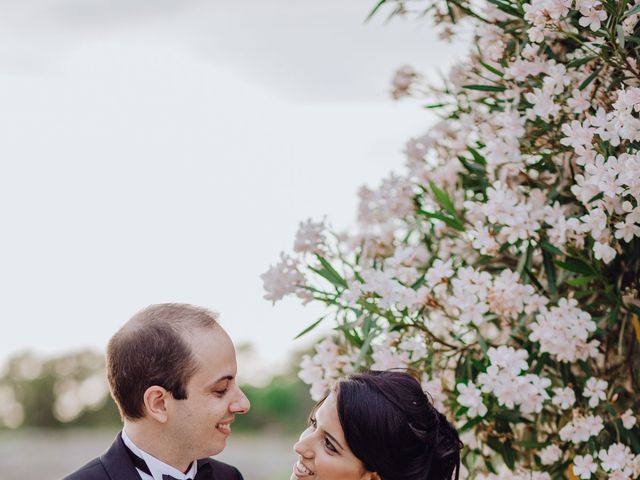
[(377, 426)]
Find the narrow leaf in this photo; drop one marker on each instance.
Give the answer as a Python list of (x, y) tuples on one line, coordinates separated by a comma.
[(452, 222), (550, 270), (375, 9), (309, 328), (580, 281), (590, 78), (551, 248), (576, 265), (492, 69), (485, 88), (443, 199), (633, 11), (620, 33)]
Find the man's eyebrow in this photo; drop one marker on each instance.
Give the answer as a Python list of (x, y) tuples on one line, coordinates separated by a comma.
[(226, 377)]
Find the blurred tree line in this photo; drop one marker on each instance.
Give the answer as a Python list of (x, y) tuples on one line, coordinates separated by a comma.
[(70, 391)]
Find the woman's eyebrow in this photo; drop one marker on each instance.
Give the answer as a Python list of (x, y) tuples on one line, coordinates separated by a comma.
[(334, 439)]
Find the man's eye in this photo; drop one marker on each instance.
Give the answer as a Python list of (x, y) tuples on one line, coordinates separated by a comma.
[(221, 393), (313, 423), (329, 445)]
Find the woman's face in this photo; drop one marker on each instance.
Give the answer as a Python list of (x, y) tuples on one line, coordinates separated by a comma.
[(322, 450)]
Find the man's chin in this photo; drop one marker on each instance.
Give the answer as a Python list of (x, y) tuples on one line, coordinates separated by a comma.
[(216, 448)]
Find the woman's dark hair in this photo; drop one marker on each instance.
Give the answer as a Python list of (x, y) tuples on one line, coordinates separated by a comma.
[(391, 425)]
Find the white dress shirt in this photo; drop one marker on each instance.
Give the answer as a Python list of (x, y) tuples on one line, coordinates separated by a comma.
[(157, 467)]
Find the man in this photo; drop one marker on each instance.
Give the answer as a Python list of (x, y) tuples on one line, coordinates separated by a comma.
[(171, 370)]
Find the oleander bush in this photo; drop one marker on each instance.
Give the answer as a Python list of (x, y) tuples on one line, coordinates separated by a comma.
[(502, 265)]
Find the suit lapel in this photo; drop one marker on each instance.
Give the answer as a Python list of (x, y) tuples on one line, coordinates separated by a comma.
[(117, 463)]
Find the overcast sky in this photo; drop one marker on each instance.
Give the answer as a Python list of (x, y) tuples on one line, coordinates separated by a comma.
[(165, 150)]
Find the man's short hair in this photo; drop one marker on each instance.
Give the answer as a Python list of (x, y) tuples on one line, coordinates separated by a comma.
[(151, 349)]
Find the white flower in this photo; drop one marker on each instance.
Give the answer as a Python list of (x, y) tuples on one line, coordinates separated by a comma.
[(594, 389), (434, 389), (627, 230), (577, 134), (391, 292), (593, 18), (508, 358), (402, 81), (603, 251), (584, 466), (543, 104), (440, 271), (617, 457), (471, 397), (326, 365), (563, 331), (579, 101), (282, 279), (310, 237), (564, 397), (550, 455), (628, 419), (581, 429)]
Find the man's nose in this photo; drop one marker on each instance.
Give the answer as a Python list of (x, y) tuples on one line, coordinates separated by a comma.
[(241, 404)]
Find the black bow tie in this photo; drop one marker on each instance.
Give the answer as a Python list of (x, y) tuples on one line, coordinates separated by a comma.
[(204, 470), (204, 473)]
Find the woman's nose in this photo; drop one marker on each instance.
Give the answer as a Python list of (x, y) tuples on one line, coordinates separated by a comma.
[(303, 447)]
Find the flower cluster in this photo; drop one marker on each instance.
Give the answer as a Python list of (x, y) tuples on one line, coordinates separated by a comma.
[(503, 265)]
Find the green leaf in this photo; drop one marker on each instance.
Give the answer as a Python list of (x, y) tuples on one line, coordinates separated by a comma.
[(483, 344), (485, 88), (590, 78), (633, 11), (309, 328), (329, 273), (452, 222), (471, 166), (550, 270), (443, 199), (364, 349), (576, 265), (578, 62), (580, 281), (435, 105), (492, 69), (507, 8), (532, 444), (470, 424), (551, 248), (612, 318), (375, 9), (477, 156), (620, 33), (597, 196)]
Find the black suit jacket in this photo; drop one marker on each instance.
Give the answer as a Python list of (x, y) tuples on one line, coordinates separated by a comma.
[(115, 464)]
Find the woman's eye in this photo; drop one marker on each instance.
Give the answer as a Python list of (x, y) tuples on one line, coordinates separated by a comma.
[(329, 445), (313, 423), (221, 393)]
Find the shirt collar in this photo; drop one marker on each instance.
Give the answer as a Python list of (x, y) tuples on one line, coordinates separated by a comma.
[(157, 467)]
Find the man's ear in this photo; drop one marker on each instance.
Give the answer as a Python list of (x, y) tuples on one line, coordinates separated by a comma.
[(155, 403)]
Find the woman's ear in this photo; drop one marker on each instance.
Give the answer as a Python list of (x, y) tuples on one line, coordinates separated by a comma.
[(371, 476), (155, 403)]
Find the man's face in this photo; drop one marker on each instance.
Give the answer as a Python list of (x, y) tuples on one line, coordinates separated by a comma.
[(201, 423)]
